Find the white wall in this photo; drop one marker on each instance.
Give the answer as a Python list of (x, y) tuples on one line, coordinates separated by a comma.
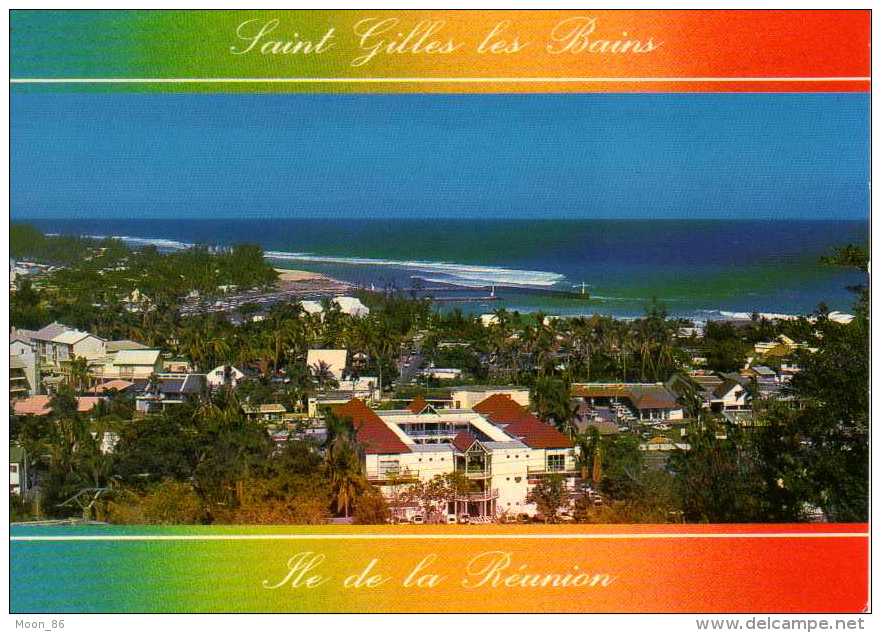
[(509, 477), (89, 347), (466, 399), (28, 355)]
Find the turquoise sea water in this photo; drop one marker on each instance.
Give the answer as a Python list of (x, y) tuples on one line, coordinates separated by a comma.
[(700, 269)]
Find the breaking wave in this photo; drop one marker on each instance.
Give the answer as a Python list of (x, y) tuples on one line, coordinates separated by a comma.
[(727, 314), (467, 275), (440, 272)]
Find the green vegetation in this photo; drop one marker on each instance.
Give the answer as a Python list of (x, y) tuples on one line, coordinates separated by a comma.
[(94, 290), (205, 463)]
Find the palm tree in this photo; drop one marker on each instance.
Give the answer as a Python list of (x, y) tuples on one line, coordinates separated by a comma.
[(627, 344), (551, 399), (589, 453), (322, 374), (78, 373), (346, 478), (343, 462)]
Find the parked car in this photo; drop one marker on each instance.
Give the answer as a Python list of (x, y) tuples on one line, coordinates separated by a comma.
[(418, 519)]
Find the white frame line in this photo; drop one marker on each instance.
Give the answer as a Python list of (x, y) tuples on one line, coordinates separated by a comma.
[(367, 80), (378, 537)]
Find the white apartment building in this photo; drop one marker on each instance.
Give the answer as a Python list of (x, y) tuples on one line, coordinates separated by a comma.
[(24, 367), (57, 344), (500, 447), (129, 364)]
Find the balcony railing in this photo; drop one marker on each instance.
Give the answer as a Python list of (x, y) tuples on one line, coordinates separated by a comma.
[(548, 469), (483, 495), (383, 474), (476, 471), (430, 432)]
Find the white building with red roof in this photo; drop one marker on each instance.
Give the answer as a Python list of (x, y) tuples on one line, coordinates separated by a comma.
[(501, 448)]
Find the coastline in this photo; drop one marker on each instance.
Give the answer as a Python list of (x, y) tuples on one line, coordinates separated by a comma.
[(719, 270), (304, 282), (288, 275)]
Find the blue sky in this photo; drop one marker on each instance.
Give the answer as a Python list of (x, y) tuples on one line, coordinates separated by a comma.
[(553, 156)]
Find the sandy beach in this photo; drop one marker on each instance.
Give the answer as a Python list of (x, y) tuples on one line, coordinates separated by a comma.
[(285, 274), (309, 282)]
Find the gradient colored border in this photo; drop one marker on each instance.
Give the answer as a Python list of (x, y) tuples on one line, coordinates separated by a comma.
[(730, 568), (699, 51), (655, 568)]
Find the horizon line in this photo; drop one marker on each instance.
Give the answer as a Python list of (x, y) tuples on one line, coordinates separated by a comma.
[(436, 217)]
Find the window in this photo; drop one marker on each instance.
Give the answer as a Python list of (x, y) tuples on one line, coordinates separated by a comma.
[(556, 462), (13, 468), (389, 466)]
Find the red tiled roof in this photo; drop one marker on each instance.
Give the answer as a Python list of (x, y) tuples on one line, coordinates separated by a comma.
[(372, 433), (537, 434), (417, 405), (501, 409), (39, 405), (464, 440), (119, 385)]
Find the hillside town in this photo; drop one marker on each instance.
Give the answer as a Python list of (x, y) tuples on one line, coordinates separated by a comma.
[(200, 387)]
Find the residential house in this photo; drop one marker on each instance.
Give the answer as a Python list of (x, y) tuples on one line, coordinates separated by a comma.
[(19, 386), (110, 386), (129, 364), (23, 362), (136, 301), (264, 412), (43, 340), (177, 365), (781, 347), (167, 390), (111, 347), (347, 305), (723, 392), (351, 306), (40, 405), (333, 359), (312, 307), (467, 397), (766, 379), (364, 388), (223, 375), (75, 343), (317, 404), (647, 402)]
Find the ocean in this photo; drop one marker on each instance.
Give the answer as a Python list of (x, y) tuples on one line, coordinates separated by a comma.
[(700, 269)]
